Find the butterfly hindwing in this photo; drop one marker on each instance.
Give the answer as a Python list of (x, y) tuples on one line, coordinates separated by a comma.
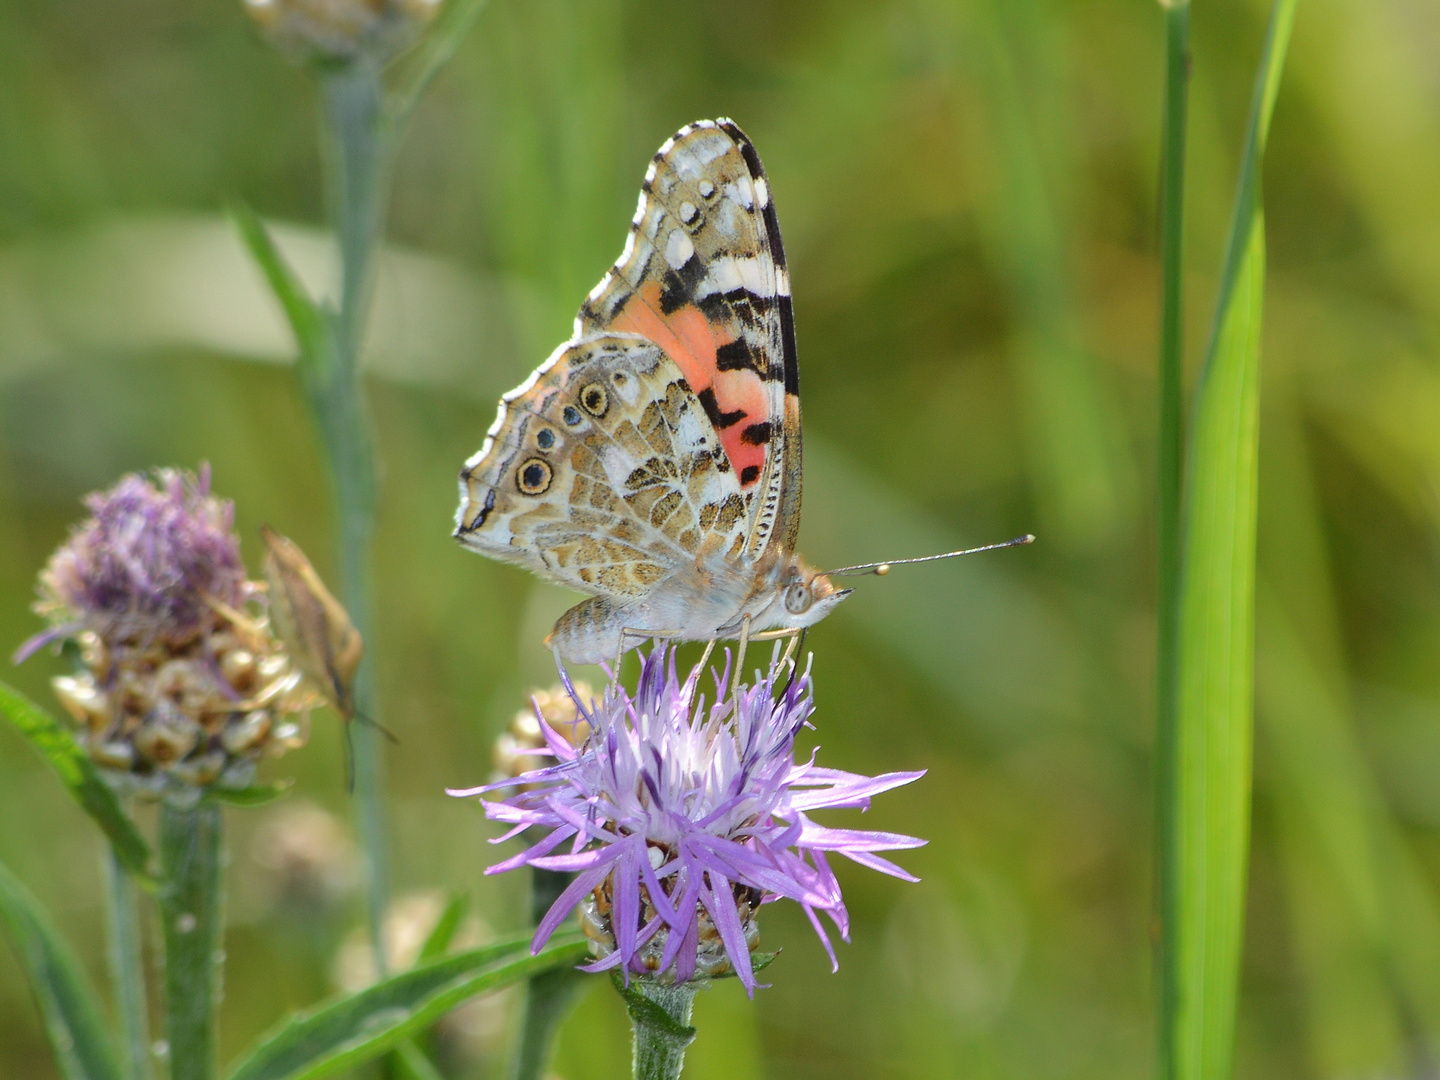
[(703, 275), (602, 472)]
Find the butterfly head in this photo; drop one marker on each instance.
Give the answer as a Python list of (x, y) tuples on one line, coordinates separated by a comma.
[(807, 595)]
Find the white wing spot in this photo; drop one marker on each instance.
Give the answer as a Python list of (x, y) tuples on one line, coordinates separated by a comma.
[(706, 189), (678, 249), (782, 281), (728, 274), (741, 192), (688, 212), (762, 193)]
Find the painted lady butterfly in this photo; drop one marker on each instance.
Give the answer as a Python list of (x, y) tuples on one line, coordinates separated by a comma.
[(654, 459)]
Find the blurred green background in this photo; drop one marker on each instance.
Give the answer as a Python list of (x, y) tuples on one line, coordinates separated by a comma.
[(968, 194)]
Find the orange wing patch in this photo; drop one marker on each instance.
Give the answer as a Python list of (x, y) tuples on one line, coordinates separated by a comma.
[(737, 402), (703, 276)]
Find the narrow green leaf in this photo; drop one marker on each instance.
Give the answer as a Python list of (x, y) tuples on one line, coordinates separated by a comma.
[(645, 1011), (410, 1063), (307, 321), (64, 754), (362, 1026), (1203, 879), (444, 930), (68, 1005)]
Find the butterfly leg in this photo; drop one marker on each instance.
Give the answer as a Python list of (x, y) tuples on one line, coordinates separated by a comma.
[(798, 642), (740, 654), (641, 636), (705, 656)]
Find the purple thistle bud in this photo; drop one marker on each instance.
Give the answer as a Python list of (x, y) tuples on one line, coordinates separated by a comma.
[(679, 819), (183, 684), (141, 566)]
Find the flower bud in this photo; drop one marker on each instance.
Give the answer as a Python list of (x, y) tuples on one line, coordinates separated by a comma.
[(341, 30), (513, 750)]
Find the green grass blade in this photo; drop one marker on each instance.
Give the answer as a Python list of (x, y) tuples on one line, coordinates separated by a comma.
[(1203, 882), (1171, 462), (68, 1005), (437, 944), (362, 1026), (64, 754)]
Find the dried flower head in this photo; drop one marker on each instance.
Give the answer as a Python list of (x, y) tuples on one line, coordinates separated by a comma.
[(341, 30), (183, 684), (682, 819)]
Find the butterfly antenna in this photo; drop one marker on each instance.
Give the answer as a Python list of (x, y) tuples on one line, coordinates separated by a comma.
[(880, 569), (349, 761)]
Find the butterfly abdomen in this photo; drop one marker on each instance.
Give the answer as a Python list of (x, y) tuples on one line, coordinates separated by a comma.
[(589, 633)]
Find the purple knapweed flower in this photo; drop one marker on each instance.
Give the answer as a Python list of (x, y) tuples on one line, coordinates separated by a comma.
[(680, 819)]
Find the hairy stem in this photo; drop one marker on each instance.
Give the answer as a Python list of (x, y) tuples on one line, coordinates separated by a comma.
[(660, 1021), (192, 913)]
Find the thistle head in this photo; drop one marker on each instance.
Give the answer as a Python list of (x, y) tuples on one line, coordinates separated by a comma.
[(680, 817), (148, 564), (181, 684)]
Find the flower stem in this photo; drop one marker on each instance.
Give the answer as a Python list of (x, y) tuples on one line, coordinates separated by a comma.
[(359, 167), (660, 1020), (191, 911), (127, 967), (547, 996)]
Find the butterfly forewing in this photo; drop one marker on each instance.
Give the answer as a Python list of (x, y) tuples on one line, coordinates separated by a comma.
[(603, 474), (703, 276)]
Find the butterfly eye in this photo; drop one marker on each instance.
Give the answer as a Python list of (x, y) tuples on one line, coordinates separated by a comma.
[(545, 438), (533, 477), (797, 598), (595, 399)]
